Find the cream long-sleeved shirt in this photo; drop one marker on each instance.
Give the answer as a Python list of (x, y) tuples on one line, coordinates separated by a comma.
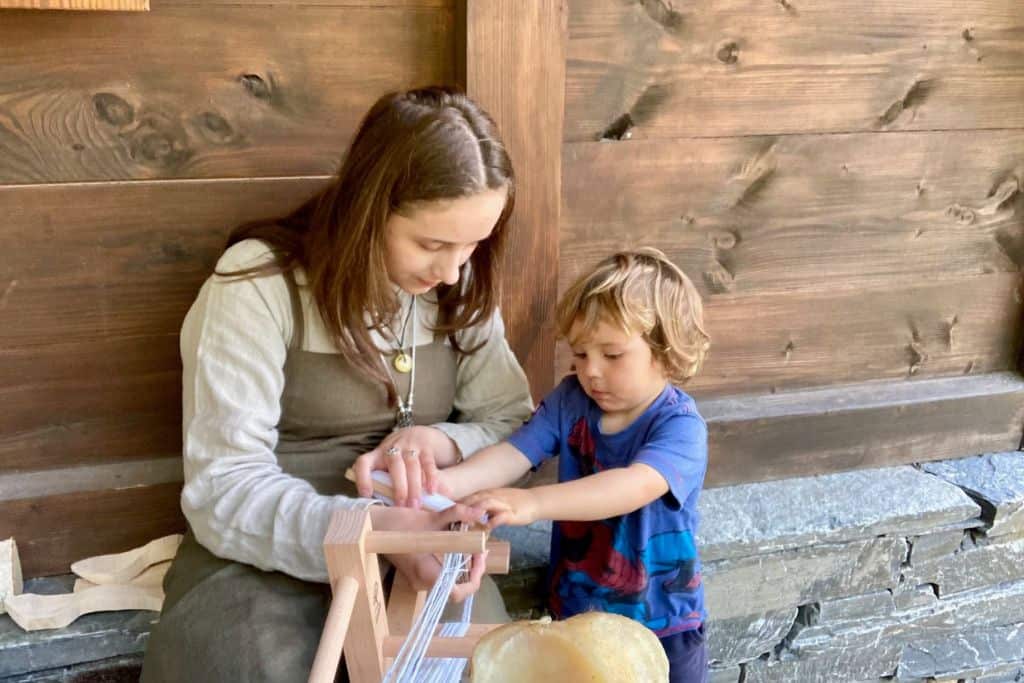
[(237, 499)]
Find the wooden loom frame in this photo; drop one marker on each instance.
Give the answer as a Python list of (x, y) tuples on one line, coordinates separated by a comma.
[(358, 622)]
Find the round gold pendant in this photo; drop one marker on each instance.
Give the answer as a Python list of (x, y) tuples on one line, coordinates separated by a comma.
[(402, 362)]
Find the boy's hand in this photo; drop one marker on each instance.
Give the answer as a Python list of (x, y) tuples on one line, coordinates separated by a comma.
[(512, 507), (445, 481)]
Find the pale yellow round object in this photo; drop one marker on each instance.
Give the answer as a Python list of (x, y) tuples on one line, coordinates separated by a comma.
[(403, 362), (594, 647)]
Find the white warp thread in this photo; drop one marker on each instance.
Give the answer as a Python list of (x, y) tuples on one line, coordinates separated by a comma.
[(410, 665)]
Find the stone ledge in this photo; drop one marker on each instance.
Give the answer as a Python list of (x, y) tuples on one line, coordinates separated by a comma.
[(787, 579), (91, 638), (995, 480), (752, 519), (874, 648), (764, 517), (108, 647), (115, 670), (964, 655), (757, 539), (999, 561)]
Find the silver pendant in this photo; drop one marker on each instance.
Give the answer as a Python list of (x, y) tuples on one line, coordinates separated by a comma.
[(402, 362), (403, 418)]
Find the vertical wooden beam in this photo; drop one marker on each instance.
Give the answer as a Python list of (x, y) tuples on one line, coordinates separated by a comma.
[(515, 68)]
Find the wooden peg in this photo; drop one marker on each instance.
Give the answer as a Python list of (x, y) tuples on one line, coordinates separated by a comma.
[(498, 557), (412, 542), (448, 646)]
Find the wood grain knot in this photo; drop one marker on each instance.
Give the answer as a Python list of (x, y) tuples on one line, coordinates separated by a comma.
[(914, 97), (113, 109), (619, 129), (961, 214), (664, 15), (718, 278), (160, 140), (216, 127), (256, 86), (728, 53)]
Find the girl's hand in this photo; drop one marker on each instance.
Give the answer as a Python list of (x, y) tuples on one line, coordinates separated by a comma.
[(412, 457), (422, 572), (423, 569), (513, 507)]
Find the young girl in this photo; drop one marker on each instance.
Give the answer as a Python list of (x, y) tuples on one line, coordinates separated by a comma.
[(361, 327), (633, 455)]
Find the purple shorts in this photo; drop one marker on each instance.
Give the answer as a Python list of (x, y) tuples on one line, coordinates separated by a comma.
[(687, 656)]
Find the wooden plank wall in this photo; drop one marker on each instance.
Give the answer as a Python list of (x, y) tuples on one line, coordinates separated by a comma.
[(126, 155), (843, 181)]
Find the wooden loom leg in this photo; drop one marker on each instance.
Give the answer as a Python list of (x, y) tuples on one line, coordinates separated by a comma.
[(328, 653)]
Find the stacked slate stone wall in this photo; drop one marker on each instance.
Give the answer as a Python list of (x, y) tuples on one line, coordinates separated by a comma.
[(905, 573)]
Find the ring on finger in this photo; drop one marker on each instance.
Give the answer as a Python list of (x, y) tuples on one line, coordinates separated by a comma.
[(393, 452), (411, 452)]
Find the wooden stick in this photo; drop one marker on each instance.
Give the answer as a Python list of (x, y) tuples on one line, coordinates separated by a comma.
[(442, 646), (412, 542), (328, 653), (498, 555)]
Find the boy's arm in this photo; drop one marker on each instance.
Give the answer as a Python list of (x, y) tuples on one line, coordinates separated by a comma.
[(492, 467), (603, 495)]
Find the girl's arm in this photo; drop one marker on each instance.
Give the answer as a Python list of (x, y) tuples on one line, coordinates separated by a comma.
[(238, 501), (494, 466), (603, 495)]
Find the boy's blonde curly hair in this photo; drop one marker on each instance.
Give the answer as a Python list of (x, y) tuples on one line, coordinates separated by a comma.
[(642, 292)]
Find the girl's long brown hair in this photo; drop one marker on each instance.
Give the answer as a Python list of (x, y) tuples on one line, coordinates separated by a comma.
[(412, 147)]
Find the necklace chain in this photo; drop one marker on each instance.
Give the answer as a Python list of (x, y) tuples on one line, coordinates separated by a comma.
[(403, 416)]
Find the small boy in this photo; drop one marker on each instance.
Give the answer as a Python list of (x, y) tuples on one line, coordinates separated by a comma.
[(633, 455)]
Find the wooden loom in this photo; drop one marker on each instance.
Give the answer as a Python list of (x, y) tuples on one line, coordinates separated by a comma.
[(359, 622)]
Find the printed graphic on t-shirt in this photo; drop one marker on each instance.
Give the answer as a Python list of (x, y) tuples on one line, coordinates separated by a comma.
[(600, 567)]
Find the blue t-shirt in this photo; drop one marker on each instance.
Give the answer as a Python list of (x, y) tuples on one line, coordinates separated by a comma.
[(643, 565)]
